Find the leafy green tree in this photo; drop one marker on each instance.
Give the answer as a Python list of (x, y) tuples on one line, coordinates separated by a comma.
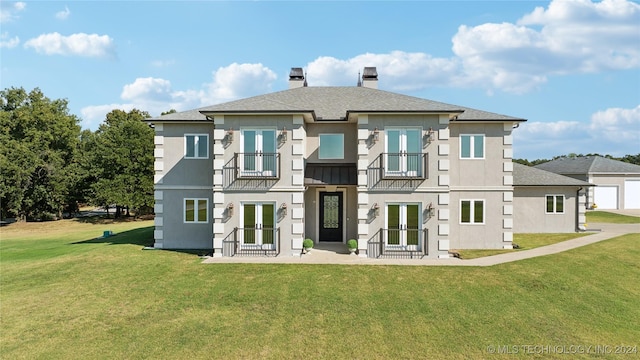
[(38, 144), (122, 161)]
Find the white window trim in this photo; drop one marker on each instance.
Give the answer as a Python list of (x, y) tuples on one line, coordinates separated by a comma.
[(554, 212), (196, 154), (403, 243), (471, 147), (195, 213), (471, 212)]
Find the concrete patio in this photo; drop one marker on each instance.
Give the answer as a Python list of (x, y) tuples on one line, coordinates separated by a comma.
[(338, 254)]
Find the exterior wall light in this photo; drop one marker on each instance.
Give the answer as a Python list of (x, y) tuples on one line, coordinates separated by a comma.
[(376, 209), (429, 136), (283, 135), (283, 209), (431, 210), (375, 135), (229, 136), (230, 209)]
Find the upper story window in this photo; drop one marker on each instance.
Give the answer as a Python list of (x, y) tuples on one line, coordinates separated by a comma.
[(403, 152), (555, 204), (258, 157), (472, 146), (196, 146), (331, 146), (472, 211)]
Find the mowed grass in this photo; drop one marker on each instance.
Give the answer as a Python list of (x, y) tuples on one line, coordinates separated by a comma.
[(65, 296), (524, 241), (612, 218)]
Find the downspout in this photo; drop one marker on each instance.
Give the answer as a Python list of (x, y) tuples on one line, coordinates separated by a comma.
[(581, 227)]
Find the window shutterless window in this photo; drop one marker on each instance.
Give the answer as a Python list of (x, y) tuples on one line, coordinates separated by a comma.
[(331, 146), (555, 204), (472, 211), (196, 210), (472, 146), (196, 146)]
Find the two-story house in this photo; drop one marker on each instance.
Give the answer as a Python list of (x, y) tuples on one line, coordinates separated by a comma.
[(405, 176)]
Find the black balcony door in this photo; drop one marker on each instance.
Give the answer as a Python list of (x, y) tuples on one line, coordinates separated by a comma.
[(331, 211)]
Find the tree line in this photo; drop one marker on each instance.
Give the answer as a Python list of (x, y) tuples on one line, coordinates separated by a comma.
[(631, 159), (49, 165)]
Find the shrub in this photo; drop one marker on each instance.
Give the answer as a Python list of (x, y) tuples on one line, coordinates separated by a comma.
[(352, 244), (307, 243)]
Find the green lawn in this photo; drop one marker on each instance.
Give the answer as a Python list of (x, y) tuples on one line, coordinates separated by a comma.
[(64, 295), (608, 217), (524, 241)]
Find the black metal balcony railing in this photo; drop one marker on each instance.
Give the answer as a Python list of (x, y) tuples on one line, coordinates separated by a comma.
[(390, 167), (252, 166), (398, 243), (252, 242)]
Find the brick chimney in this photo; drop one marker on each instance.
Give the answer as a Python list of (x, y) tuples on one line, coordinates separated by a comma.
[(370, 77), (296, 78)]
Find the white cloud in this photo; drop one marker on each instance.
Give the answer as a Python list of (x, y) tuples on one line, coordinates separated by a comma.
[(81, 44), (7, 42), (617, 125), (156, 95), (568, 37), (613, 128), (402, 71), (148, 89), (9, 10), (93, 115), (63, 14)]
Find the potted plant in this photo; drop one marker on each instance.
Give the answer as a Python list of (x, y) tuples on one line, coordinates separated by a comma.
[(352, 245), (307, 244)]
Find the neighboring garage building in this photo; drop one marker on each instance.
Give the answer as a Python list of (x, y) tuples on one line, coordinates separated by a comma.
[(617, 183), (545, 202)]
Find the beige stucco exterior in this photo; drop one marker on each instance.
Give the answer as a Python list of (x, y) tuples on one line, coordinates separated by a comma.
[(428, 198)]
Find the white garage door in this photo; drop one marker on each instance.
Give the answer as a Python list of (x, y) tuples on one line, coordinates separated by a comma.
[(606, 197), (632, 194)]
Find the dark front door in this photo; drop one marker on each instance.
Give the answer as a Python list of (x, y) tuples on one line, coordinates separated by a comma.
[(330, 216)]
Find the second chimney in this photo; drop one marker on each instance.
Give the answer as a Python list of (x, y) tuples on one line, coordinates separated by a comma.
[(370, 77), (296, 78)]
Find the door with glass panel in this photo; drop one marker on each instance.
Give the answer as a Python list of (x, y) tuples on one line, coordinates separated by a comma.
[(403, 226), (258, 225), (331, 213), (403, 156), (258, 156)]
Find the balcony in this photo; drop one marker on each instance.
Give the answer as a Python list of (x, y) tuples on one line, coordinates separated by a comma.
[(398, 171), (260, 170), (252, 242), (399, 244)]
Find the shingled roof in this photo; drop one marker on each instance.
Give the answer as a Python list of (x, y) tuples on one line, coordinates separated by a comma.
[(529, 176), (588, 165), (335, 103)]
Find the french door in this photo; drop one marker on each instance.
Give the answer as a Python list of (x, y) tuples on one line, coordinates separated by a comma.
[(403, 152), (258, 225), (403, 226), (258, 156)]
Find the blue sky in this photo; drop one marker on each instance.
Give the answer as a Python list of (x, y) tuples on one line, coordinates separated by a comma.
[(572, 68)]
